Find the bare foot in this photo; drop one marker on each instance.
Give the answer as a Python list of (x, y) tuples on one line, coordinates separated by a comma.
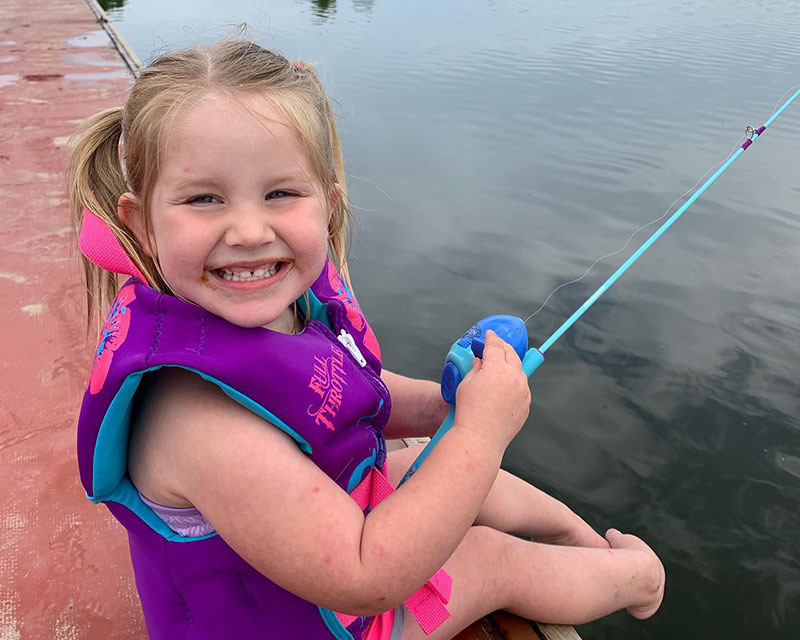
[(651, 577)]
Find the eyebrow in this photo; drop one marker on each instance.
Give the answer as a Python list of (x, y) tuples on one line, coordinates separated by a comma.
[(212, 182), (193, 182)]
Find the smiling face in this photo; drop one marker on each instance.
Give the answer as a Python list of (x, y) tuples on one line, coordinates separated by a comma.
[(239, 222)]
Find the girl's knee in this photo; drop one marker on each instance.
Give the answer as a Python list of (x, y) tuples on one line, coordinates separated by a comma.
[(491, 551), (480, 568), (484, 537)]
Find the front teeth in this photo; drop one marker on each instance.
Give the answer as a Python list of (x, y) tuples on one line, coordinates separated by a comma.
[(246, 276)]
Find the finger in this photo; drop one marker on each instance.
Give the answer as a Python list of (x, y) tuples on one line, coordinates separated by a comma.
[(508, 352), (512, 357), (493, 349), (476, 364)]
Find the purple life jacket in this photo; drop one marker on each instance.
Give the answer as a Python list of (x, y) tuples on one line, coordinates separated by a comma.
[(326, 395)]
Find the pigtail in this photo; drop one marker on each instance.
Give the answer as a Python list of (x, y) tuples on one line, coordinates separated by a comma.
[(97, 182)]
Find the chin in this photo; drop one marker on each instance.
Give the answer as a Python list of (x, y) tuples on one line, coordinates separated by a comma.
[(249, 321)]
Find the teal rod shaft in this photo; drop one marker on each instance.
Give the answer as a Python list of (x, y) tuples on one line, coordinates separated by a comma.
[(658, 233)]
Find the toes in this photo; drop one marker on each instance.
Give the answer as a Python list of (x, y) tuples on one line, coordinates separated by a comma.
[(614, 537)]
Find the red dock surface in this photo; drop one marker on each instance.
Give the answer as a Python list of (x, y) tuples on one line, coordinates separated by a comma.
[(64, 566)]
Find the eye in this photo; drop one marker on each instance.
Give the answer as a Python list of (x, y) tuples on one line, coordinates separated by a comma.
[(279, 194), (205, 198)]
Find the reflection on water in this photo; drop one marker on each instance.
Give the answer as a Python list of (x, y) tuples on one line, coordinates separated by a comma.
[(323, 8), (363, 6), (493, 157), (109, 5)]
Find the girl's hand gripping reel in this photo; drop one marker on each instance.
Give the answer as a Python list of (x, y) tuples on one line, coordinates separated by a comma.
[(459, 361)]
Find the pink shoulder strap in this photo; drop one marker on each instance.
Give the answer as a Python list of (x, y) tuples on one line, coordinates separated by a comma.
[(99, 244)]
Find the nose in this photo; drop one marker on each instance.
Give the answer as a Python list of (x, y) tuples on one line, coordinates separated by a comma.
[(249, 227)]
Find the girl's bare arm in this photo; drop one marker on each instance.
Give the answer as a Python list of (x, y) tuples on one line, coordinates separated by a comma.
[(295, 525), (417, 406)]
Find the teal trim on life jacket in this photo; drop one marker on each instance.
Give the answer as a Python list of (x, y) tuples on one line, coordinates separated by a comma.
[(372, 415), (110, 481), (317, 310), (111, 447), (127, 495), (334, 625), (358, 472)]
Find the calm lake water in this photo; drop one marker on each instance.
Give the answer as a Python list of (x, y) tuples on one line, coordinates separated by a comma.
[(495, 149)]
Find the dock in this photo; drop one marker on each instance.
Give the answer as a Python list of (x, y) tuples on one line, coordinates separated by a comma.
[(64, 566), (65, 571)]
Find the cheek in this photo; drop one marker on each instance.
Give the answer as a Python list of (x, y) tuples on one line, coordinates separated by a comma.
[(179, 254), (311, 241)]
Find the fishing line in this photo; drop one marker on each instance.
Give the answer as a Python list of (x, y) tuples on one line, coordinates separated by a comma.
[(644, 226), (535, 357), (750, 131), (785, 93)]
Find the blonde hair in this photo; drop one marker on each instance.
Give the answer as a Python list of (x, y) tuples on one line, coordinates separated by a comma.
[(136, 132)]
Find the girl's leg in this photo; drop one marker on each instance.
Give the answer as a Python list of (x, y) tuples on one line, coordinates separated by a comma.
[(514, 506), (568, 585)]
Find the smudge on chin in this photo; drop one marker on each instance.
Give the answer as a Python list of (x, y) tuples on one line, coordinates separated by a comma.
[(205, 280)]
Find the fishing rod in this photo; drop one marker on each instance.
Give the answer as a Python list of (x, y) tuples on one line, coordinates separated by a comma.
[(513, 329)]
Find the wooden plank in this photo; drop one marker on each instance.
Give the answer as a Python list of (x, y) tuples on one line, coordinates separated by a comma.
[(556, 632), (513, 627), (500, 625), (483, 629), (410, 442)]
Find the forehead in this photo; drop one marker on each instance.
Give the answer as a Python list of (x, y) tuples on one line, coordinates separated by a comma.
[(219, 129)]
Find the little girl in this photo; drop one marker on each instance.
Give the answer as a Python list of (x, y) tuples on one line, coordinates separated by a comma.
[(236, 413)]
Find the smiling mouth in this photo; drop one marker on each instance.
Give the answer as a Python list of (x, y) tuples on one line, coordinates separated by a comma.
[(240, 274)]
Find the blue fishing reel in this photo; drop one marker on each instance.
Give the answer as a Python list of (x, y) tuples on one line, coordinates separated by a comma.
[(459, 359), (459, 362)]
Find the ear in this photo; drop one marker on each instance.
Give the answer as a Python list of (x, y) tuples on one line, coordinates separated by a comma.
[(130, 213)]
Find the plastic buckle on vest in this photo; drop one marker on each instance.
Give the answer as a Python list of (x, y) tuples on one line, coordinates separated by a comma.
[(347, 340)]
